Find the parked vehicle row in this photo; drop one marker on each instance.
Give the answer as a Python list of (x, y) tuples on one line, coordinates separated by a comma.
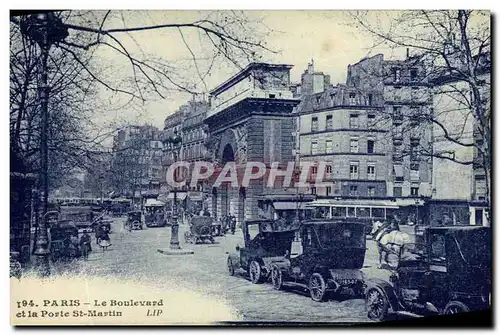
[(322, 256), (449, 273)]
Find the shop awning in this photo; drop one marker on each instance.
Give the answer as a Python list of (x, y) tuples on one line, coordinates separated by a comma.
[(398, 170), (180, 195), (410, 202), (154, 202), (354, 203), (288, 205)]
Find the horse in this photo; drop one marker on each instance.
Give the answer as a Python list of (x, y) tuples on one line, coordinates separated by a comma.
[(389, 240)]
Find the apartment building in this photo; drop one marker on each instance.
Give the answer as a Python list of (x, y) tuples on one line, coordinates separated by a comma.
[(407, 106), (343, 128), (137, 162)]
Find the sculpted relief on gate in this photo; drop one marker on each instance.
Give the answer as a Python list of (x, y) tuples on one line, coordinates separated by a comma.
[(235, 137), (240, 134)]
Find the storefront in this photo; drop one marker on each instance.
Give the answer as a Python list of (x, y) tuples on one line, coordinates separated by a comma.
[(194, 202)]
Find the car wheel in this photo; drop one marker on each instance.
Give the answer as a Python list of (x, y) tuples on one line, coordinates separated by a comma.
[(230, 267), (455, 307), (277, 277), (255, 272), (376, 304), (317, 287)]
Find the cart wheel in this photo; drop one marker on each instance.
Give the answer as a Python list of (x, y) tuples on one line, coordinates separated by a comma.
[(230, 267), (376, 304), (255, 272), (277, 277), (317, 287), (454, 307)]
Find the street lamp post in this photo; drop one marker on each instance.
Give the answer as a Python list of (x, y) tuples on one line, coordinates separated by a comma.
[(101, 179), (45, 29), (175, 249), (174, 237)]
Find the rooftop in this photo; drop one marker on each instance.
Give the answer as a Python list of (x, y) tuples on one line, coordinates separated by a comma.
[(244, 72)]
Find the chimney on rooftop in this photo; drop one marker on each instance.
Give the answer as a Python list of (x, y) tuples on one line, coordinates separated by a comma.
[(310, 67)]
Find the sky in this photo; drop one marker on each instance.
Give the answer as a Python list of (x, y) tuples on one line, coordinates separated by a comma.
[(327, 37)]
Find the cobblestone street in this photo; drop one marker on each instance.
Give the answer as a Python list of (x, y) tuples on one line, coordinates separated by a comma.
[(134, 255)]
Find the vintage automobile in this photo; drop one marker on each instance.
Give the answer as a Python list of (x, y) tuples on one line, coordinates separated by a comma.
[(200, 229), (264, 242), (450, 273), (134, 220), (329, 258), (64, 240), (154, 214)]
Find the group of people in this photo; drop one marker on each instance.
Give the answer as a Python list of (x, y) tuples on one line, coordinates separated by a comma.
[(83, 246), (228, 223)]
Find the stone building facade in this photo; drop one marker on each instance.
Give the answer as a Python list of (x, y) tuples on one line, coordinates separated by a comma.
[(194, 135), (452, 109), (250, 119), (137, 162), (407, 102), (342, 128)]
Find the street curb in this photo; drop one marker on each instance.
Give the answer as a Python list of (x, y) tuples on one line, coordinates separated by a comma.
[(176, 252)]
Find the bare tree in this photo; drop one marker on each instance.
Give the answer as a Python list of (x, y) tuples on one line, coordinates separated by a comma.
[(72, 134), (454, 46), (221, 36), (79, 73)]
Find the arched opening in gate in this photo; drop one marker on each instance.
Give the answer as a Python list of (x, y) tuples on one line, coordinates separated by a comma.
[(227, 156)]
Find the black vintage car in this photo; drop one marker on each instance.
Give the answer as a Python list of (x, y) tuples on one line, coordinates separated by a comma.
[(200, 229), (329, 259), (265, 242), (134, 220), (450, 273), (154, 215)]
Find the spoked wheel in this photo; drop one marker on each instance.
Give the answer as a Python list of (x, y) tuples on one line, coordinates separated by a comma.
[(230, 267), (376, 305), (255, 272), (317, 287), (455, 307), (277, 277)]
